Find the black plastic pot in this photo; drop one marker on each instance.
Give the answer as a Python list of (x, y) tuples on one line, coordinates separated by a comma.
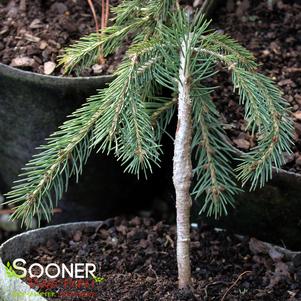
[(32, 106)]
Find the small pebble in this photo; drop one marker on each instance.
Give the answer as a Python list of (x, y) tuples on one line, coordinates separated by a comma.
[(22, 62), (297, 115), (97, 69), (43, 45), (49, 67)]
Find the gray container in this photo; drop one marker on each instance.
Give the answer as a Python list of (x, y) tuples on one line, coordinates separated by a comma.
[(32, 106), (271, 213)]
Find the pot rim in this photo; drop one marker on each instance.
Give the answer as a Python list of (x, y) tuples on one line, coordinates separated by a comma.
[(32, 76), (281, 171), (52, 229)]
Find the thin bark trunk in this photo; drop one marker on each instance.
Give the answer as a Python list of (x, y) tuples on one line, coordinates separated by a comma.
[(182, 171)]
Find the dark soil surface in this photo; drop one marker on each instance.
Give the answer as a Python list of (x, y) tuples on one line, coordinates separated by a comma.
[(273, 35), (32, 36), (137, 261)]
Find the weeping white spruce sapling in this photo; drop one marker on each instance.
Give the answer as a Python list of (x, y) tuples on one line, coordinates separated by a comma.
[(171, 48)]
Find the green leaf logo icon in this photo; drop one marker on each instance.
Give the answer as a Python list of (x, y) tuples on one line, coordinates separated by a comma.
[(10, 271)]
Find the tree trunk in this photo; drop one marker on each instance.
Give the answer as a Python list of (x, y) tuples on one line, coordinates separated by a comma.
[(182, 171)]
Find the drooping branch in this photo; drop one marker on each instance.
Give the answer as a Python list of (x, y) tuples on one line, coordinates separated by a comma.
[(42, 184), (214, 176), (265, 110), (45, 177)]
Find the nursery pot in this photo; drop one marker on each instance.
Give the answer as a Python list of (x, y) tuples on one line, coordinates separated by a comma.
[(32, 106), (18, 247), (271, 213)]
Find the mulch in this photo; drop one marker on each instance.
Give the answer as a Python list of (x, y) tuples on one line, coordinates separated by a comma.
[(32, 38), (137, 260)]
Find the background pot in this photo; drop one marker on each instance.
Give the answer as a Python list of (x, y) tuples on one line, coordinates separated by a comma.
[(271, 213), (31, 107)]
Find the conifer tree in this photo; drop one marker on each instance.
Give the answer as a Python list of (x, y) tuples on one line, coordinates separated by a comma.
[(175, 48)]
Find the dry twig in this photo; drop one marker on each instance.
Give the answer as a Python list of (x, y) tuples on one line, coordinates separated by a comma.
[(234, 283), (92, 8)]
